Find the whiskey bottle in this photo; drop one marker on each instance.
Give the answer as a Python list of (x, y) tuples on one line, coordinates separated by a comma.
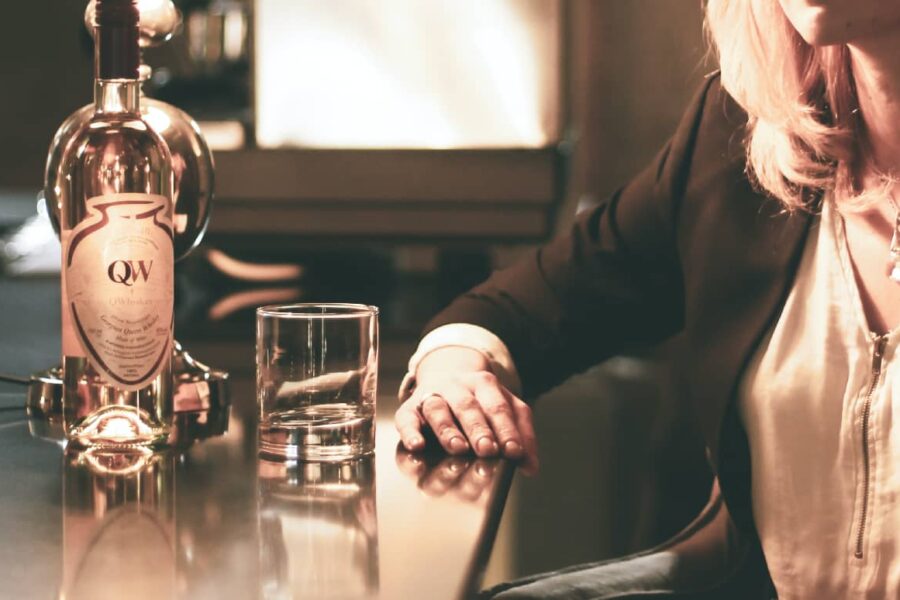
[(115, 206)]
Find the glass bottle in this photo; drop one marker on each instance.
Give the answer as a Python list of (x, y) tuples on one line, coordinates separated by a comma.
[(116, 200)]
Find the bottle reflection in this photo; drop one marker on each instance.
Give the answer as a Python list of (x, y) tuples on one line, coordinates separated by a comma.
[(318, 530), (118, 525)]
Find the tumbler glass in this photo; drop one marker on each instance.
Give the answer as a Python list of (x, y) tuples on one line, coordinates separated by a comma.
[(316, 380)]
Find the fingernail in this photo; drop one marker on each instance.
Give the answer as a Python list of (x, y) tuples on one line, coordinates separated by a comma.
[(415, 442), (487, 445), (457, 444), (512, 449)]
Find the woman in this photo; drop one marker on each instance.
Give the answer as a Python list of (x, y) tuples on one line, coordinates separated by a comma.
[(763, 232)]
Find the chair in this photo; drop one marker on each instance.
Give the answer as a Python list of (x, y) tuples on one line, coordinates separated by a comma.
[(709, 559)]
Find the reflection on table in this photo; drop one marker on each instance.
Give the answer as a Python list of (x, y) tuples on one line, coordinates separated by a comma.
[(118, 525), (465, 478), (213, 519), (318, 530)]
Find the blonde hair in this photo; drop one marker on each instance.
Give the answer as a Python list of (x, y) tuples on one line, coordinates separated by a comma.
[(803, 133)]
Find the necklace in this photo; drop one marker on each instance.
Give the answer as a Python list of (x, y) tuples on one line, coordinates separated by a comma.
[(894, 256)]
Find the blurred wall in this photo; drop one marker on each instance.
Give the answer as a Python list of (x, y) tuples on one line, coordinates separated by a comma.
[(45, 74), (633, 67)]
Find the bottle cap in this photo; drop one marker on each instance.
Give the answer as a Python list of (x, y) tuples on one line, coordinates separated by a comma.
[(118, 52), (121, 13)]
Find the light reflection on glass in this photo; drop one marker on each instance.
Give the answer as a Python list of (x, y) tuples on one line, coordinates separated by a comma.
[(118, 525), (318, 530)]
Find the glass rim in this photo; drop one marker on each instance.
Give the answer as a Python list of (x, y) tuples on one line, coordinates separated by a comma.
[(328, 310)]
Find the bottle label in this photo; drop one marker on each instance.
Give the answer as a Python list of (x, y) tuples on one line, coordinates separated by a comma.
[(118, 287)]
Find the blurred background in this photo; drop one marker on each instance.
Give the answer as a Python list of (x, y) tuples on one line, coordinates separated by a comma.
[(394, 152)]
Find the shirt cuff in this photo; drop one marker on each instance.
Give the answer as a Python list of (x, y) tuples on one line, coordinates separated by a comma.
[(470, 336)]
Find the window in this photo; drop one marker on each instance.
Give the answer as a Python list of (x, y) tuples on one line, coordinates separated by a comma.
[(441, 74)]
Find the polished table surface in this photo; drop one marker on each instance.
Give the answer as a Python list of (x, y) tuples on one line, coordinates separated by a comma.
[(214, 520)]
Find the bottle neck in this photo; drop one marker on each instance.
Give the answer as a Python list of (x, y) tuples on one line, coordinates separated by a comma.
[(117, 96), (117, 87)]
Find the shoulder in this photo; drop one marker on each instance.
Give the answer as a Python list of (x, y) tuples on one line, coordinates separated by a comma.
[(702, 159), (720, 211), (705, 157), (711, 138), (712, 132), (722, 121)]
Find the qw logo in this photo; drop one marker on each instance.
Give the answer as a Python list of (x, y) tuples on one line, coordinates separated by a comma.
[(128, 272)]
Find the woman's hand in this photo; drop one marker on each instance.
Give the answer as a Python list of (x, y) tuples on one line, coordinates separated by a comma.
[(467, 408)]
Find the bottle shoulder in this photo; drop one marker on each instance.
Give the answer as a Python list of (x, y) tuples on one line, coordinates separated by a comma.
[(111, 154), (135, 126), (107, 140)]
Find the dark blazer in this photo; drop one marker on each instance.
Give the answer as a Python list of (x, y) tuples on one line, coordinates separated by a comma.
[(688, 246)]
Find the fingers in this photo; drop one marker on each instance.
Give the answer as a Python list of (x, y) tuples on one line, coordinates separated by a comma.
[(439, 417), (525, 424), (409, 425), (497, 407), (475, 412), (468, 411)]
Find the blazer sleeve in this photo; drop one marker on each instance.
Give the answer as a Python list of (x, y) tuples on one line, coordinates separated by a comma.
[(611, 281)]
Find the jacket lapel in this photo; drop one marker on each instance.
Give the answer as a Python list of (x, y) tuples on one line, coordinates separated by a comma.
[(739, 263)]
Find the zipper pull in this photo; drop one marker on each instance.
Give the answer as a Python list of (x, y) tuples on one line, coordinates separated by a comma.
[(878, 354)]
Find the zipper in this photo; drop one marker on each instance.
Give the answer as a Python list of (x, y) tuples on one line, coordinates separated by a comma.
[(877, 358)]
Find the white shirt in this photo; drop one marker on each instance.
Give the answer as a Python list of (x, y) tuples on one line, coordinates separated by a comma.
[(817, 402)]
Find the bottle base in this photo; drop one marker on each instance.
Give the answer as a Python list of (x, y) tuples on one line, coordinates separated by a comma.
[(117, 427)]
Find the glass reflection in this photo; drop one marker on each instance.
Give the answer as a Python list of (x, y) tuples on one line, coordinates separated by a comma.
[(118, 525), (318, 530)]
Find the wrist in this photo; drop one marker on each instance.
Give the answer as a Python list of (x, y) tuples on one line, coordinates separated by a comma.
[(483, 351), (447, 360)]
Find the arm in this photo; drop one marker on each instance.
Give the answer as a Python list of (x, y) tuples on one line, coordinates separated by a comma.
[(613, 280)]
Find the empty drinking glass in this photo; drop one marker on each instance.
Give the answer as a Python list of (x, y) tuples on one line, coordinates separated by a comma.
[(316, 380)]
